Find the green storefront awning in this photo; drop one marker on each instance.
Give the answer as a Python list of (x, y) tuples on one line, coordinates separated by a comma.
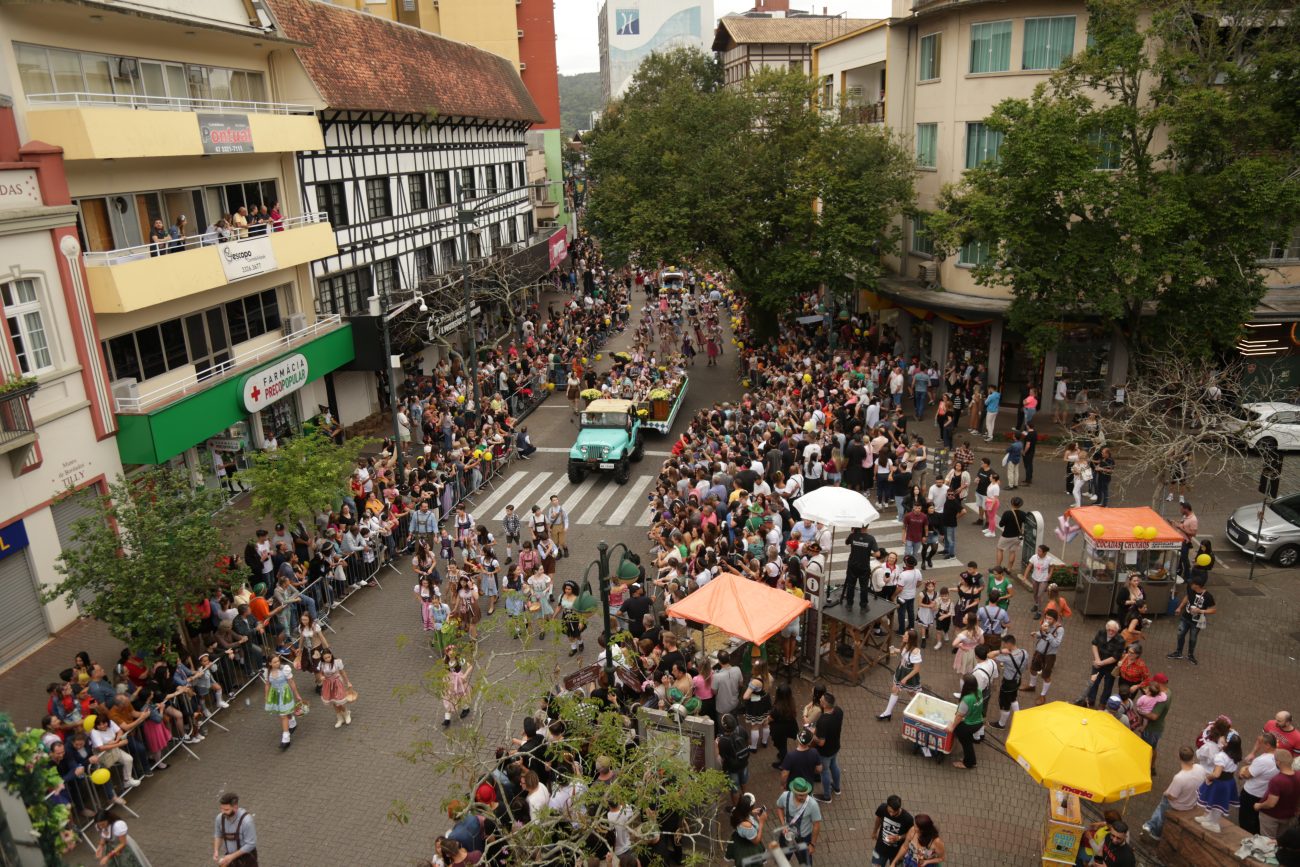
[(154, 437)]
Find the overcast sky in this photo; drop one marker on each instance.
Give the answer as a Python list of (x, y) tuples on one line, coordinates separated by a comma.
[(579, 49)]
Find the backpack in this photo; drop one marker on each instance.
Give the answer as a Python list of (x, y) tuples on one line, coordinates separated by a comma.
[(735, 751)]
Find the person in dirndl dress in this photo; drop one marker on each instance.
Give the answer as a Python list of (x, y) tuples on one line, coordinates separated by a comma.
[(569, 615), (549, 551), (335, 686), (456, 693), (465, 608), (1218, 794), (281, 696), (907, 677), (311, 642)]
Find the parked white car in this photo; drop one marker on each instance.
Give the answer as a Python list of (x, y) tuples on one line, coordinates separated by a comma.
[(1268, 425)]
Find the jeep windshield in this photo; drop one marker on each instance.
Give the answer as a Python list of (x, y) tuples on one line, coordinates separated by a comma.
[(605, 419)]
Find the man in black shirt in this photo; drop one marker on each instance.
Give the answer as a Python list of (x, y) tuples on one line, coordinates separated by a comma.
[(826, 736), (803, 761), (1115, 851), (1195, 608), (892, 825), (862, 545), (635, 608)]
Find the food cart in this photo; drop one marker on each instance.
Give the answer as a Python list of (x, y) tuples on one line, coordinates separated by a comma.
[(927, 722), (1063, 829), (1116, 543)]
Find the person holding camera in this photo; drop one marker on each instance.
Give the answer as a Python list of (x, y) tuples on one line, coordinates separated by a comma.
[(801, 819)]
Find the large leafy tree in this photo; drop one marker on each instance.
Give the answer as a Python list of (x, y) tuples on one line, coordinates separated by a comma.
[(1148, 176), (305, 475), (751, 179), (152, 546)]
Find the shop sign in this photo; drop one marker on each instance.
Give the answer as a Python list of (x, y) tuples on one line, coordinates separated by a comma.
[(13, 539), (226, 444), (247, 258), (19, 189), (269, 384), (558, 247), (451, 322), (1133, 545), (225, 133)]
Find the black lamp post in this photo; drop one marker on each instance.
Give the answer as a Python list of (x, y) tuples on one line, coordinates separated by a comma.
[(627, 570)]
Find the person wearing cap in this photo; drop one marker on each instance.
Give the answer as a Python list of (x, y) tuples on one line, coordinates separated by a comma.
[(799, 817), (803, 762)]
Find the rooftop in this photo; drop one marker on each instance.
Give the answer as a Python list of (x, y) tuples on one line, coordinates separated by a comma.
[(741, 30), (350, 57)]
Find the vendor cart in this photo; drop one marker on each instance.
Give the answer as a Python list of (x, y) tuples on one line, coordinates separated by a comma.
[(927, 723), (1120, 542)]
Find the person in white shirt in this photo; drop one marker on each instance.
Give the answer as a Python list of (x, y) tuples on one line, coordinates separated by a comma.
[(905, 595), (539, 797), (984, 672), (1257, 768), (1181, 793), (108, 741), (938, 493), (1039, 570)]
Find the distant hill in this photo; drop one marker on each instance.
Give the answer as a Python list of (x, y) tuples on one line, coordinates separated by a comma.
[(580, 95)]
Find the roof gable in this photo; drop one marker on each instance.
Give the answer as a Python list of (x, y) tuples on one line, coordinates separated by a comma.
[(365, 63), (743, 30)]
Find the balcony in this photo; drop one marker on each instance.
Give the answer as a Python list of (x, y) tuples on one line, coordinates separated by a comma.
[(134, 278), (873, 112), (98, 126), (17, 430)]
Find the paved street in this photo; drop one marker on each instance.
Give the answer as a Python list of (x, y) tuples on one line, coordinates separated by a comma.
[(352, 796)]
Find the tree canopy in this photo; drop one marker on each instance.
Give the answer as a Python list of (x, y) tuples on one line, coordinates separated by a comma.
[(305, 475), (750, 178), (152, 546), (1145, 181)]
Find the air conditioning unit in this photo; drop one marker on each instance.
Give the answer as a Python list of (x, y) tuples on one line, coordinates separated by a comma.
[(929, 273), (293, 323), (127, 389)]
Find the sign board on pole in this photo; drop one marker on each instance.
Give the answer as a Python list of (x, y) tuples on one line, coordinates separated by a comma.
[(558, 247)]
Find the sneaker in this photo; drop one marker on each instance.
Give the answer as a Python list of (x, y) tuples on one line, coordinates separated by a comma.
[(223, 704), (1192, 660), (838, 791), (1169, 498), (825, 799), (1174, 655), (131, 784)]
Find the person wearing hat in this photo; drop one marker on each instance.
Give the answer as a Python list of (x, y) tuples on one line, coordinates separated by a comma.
[(799, 817), (803, 762)]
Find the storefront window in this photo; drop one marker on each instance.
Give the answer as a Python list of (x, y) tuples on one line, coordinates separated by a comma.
[(969, 344), (281, 418), (1083, 358)]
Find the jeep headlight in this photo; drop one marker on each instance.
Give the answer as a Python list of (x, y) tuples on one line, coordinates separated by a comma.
[(584, 450)]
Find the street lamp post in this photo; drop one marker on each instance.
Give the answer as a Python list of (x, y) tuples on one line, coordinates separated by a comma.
[(382, 307), (626, 571), (465, 217)]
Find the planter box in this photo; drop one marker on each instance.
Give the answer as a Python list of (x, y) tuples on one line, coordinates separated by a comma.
[(659, 410)]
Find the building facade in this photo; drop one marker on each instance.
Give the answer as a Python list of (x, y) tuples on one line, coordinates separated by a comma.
[(56, 417), (395, 166), (752, 42), (630, 31)]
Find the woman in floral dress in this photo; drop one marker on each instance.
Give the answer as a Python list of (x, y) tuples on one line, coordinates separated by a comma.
[(335, 687), (282, 697), (456, 693)]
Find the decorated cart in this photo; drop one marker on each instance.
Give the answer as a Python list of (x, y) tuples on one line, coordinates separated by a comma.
[(927, 722), (1118, 543), (663, 403)]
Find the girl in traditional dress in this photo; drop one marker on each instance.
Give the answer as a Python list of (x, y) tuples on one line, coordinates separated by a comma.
[(281, 696), (965, 642), (311, 641), (907, 677), (424, 595), (115, 847), (566, 610), (335, 687), (456, 693), (540, 589), (465, 607)]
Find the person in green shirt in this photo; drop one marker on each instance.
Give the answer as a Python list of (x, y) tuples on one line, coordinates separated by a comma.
[(1000, 580), (969, 718)]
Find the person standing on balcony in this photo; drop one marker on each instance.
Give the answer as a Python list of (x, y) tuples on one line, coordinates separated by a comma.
[(241, 223), (177, 235), (159, 238), (277, 218)]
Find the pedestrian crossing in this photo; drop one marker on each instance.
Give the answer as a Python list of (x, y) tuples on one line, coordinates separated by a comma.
[(596, 500)]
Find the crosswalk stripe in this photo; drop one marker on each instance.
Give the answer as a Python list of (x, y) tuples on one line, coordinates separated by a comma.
[(571, 496), (522, 504), (636, 490), (592, 512), (503, 487)]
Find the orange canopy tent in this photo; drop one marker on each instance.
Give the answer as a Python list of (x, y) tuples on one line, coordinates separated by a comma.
[(1117, 528), (746, 609)]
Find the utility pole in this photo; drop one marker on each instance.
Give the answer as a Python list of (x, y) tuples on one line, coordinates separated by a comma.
[(383, 308)]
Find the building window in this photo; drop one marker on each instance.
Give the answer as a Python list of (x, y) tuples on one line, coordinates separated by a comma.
[(387, 276), (1048, 41), (928, 67), (22, 308), (512, 227), (927, 145), (982, 144), (990, 46), (475, 246), (494, 236), (828, 92), (417, 186), (490, 179), (1288, 252), (921, 241), (1108, 150), (331, 199), (442, 187), (379, 199), (466, 184), (347, 293), (974, 253), (203, 339), (447, 253), (424, 263)]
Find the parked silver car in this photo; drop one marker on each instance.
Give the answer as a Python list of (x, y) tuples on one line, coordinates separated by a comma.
[(1279, 538)]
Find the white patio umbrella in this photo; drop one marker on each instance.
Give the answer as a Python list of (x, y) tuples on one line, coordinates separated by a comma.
[(837, 508)]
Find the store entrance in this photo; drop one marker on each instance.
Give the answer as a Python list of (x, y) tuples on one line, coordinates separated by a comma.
[(1019, 371)]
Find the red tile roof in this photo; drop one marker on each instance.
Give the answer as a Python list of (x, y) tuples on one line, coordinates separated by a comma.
[(362, 62)]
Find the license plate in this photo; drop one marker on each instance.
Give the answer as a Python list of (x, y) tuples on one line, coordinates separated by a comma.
[(606, 465)]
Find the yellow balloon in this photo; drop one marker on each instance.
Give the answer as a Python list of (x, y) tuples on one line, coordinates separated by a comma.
[(807, 377), (487, 456), (577, 340), (1152, 532), (598, 356), (1139, 532), (89, 722), (1202, 560), (100, 776), (1098, 530)]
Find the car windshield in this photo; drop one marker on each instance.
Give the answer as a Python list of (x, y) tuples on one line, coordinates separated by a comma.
[(1288, 509), (604, 419)]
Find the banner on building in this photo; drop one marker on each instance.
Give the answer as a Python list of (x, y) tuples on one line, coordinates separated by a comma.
[(247, 258), (269, 384), (225, 133), (558, 247)]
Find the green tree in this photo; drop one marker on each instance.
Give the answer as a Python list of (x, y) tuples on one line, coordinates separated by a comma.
[(151, 547), (305, 475), (27, 771), (746, 178), (1145, 180)]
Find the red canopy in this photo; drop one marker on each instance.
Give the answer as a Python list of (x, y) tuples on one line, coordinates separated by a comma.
[(746, 609)]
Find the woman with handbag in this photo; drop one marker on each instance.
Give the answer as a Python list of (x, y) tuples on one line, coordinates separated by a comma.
[(540, 591), (311, 641), (922, 847), (281, 696), (336, 688)]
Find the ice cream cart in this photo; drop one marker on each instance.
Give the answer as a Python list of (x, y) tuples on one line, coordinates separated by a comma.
[(927, 722), (1116, 543)]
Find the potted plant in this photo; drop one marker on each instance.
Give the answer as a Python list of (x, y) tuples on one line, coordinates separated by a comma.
[(1065, 575), (18, 384), (590, 394), (659, 407)]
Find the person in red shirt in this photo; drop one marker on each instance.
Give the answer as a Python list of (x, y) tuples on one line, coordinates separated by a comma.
[(1278, 807), (1288, 736)]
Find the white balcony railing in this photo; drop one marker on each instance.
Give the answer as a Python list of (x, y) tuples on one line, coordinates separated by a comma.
[(189, 242), (210, 377), (163, 103)]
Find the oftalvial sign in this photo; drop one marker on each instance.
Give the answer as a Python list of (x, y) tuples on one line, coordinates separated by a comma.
[(269, 384), (247, 258), (225, 133)]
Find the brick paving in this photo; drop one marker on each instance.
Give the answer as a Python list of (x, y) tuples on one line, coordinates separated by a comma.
[(332, 798)]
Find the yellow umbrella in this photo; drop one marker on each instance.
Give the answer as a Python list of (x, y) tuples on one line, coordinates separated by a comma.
[(1088, 753)]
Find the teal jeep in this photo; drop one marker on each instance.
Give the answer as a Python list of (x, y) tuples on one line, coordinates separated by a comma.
[(610, 439)]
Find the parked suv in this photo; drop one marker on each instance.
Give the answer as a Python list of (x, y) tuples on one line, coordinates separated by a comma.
[(610, 439), (1279, 537)]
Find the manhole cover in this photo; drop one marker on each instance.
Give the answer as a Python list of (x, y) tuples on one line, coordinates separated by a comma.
[(1247, 591)]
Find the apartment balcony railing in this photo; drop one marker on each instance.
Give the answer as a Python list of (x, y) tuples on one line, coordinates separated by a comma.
[(163, 103), (16, 425), (873, 112), (190, 242)]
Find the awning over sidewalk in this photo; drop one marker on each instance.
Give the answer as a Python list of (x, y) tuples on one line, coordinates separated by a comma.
[(925, 303)]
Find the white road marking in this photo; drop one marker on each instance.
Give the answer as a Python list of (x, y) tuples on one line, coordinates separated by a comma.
[(502, 488), (522, 505), (592, 512), (636, 491)]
